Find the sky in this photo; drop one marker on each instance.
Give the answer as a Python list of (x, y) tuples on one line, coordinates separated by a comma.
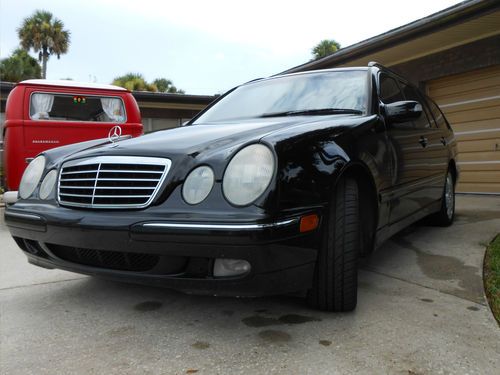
[(204, 47)]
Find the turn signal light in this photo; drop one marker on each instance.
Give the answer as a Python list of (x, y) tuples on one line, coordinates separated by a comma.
[(308, 223)]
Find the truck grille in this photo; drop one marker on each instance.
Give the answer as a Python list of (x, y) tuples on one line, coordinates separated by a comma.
[(111, 181)]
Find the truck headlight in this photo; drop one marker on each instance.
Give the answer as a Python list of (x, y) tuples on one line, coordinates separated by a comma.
[(248, 174), (31, 177), (198, 185)]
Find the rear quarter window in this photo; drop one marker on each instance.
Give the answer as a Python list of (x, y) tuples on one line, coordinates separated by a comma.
[(66, 107)]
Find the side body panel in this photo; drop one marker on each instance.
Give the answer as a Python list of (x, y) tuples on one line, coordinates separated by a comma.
[(420, 158), (13, 136)]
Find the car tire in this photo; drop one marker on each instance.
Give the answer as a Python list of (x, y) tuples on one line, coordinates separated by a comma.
[(335, 285), (444, 217)]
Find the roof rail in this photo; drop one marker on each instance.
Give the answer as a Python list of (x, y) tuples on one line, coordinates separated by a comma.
[(380, 66), (373, 63)]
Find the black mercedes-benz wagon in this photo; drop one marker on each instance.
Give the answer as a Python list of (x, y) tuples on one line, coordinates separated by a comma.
[(279, 186)]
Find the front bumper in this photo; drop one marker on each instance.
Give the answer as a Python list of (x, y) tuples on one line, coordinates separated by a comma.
[(175, 254)]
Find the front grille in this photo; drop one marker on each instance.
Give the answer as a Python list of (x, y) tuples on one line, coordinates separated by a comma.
[(136, 262), (111, 181)]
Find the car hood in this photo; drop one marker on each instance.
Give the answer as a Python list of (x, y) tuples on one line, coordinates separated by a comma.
[(206, 139)]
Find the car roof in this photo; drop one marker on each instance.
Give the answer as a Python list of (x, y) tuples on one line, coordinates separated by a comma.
[(72, 84), (361, 68), (325, 70)]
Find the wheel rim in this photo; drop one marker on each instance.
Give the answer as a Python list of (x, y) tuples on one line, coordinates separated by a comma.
[(449, 197)]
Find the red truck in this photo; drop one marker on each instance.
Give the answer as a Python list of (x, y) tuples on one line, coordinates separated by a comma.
[(42, 114)]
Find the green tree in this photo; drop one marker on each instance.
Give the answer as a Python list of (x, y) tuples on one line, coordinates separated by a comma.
[(134, 82), (324, 48), (137, 82), (166, 85), (44, 34), (19, 66)]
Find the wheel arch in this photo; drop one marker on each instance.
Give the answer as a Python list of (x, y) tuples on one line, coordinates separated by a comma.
[(369, 202), (452, 167)]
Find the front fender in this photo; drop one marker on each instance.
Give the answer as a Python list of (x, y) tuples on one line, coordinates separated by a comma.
[(307, 171)]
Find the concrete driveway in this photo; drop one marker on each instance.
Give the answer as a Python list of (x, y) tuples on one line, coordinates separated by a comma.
[(421, 310)]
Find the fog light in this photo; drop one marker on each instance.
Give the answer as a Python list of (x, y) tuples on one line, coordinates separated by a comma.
[(230, 267)]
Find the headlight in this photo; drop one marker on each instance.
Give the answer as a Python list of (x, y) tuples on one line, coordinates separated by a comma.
[(31, 177), (248, 174), (48, 184), (198, 185)]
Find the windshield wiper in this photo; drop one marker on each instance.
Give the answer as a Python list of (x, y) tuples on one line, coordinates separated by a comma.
[(314, 112)]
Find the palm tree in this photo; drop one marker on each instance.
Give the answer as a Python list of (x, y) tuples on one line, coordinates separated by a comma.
[(324, 48), (46, 35), (166, 85), (137, 82), (134, 82)]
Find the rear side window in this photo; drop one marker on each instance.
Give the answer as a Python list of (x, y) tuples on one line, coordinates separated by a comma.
[(389, 90), (438, 115), (412, 94), (65, 107)]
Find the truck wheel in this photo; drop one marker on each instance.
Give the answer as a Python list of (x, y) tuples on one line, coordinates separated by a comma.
[(335, 285)]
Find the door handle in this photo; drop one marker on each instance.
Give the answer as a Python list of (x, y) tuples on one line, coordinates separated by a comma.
[(443, 141), (423, 141)]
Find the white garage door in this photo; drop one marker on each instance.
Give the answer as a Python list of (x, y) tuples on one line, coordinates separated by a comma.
[(471, 103)]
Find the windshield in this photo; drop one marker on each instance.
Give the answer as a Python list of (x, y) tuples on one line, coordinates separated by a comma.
[(306, 94)]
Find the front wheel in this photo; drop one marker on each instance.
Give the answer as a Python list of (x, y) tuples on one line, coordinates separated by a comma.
[(335, 285)]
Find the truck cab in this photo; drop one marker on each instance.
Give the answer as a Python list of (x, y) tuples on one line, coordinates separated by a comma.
[(42, 114)]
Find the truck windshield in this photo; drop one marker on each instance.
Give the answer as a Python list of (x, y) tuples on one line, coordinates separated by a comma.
[(317, 94), (66, 107)]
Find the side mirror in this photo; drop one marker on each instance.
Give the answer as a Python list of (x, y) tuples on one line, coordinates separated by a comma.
[(403, 111)]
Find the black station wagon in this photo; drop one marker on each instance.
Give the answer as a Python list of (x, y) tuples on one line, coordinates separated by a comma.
[(279, 186)]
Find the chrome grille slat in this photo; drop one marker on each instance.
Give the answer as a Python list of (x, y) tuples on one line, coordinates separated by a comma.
[(128, 171), (76, 195), (110, 171), (121, 196), (76, 172), (111, 181), (110, 187), (127, 179), (105, 196), (77, 179)]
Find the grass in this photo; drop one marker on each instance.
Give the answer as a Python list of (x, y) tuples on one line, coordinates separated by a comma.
[(492, 276)]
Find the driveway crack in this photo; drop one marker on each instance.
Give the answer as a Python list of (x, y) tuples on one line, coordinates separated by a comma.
[(37, 284)]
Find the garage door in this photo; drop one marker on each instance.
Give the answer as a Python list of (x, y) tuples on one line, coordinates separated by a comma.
[(471, 103)]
